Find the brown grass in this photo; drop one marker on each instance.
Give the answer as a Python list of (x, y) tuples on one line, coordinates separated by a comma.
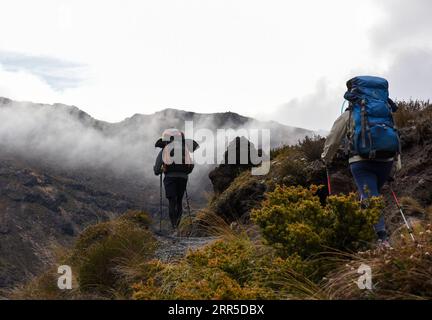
[(403, 272), (412, 112)]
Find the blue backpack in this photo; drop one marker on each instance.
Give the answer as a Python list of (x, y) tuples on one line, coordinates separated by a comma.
[(374, 134)]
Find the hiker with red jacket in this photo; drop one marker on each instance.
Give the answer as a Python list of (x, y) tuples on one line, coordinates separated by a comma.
[(371, 139), (174, 161)]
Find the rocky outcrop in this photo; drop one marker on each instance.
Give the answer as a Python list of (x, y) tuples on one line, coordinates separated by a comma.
[(415, 178), (223, 175), (236, 192)]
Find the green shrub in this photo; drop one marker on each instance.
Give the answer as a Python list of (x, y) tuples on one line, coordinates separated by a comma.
[(312, 147), (227, 269), (290, 167), (293, 171), (293, 220), (280, 151)]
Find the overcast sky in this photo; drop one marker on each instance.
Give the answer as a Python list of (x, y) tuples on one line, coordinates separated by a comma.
[(281, 60)]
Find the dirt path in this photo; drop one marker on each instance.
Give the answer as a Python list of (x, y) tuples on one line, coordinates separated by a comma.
[(173, 248)]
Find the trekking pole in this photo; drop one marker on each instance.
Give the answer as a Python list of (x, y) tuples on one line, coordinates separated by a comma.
[(402, 214), (189, 210), (328, 181), (160, 202)]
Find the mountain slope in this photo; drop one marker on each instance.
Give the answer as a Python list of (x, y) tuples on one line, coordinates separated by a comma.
[(277, 237), (62, 170), (40, 210), (64, 138)]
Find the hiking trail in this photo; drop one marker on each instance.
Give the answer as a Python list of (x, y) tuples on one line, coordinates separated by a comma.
[(173, 248)]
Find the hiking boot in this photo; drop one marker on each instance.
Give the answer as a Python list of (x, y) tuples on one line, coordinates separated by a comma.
[(382, 235), (175, 233), (384, 244), (383, 240)]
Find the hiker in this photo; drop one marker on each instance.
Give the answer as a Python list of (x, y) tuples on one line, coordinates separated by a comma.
[(173, 147), (371, 139)]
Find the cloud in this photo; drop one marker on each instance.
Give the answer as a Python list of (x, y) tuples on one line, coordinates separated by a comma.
[(402, 39), (405, 25), (23, 85), (317, 109), (411, 75), (57, 73), (199, 55), (400, 49), (211, 56)]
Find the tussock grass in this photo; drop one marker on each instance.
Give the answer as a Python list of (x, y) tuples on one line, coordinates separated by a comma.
[(411, 112), (403, 272), (412, 207), (104, 259)]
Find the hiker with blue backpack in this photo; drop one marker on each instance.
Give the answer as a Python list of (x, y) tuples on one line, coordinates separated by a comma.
[(371, 139)]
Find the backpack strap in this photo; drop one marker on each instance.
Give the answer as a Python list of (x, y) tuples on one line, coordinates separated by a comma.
[(348, 137), (363, 122), (372, 152), (365, 129)]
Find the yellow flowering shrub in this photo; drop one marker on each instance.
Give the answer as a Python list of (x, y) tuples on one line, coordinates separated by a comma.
[(226, 269), (294, 221)]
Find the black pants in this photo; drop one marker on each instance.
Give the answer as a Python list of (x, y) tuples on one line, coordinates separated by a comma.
[(175, 188)]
